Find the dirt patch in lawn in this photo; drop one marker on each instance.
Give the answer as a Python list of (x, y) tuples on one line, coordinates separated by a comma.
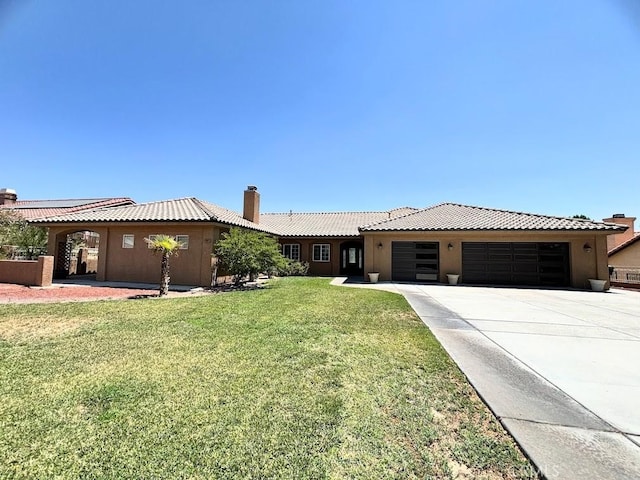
[(11, 293), (32, 328)]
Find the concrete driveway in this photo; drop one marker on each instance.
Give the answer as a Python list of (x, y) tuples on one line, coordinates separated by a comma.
[(559, 368)]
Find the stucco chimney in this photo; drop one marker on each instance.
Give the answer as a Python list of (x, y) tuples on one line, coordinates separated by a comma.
[(8, 196), (251, 209), (619, 238)]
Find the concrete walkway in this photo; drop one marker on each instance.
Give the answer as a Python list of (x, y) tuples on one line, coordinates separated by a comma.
[(559, 368)]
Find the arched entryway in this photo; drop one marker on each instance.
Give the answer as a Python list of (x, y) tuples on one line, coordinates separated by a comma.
[(76, 253), (352, 258)]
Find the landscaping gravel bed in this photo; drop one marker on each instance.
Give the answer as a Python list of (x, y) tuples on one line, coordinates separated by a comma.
[(11, 293)]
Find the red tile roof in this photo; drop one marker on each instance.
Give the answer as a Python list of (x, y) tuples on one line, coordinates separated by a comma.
[(452, 216), (330, 224), (178, 210), (40, 209), (443, 217)]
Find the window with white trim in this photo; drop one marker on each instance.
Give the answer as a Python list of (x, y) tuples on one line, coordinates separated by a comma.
[(128, 241), (152, 238), (321, 252), (291, 251), (183, 240)]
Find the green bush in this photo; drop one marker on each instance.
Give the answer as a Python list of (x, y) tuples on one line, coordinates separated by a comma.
[(245, 253), (16, 234), (293, 268)]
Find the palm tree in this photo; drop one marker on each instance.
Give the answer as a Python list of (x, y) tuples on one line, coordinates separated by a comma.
[(167, 246)]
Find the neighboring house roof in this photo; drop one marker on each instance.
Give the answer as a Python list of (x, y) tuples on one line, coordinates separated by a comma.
[(452, 216), (330, 224), (39, 209), (178, 210), (624, 245)]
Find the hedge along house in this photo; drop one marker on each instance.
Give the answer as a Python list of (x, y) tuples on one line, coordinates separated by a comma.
[(484, 246)]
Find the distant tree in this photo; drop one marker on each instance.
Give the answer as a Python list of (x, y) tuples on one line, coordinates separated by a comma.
[(167, 246), (8, 220), (15, 231), (583, 217), (246, 253)]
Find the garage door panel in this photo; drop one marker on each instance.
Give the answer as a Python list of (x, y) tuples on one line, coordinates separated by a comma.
[(476, 257), (525, 268), (500, 256), (499, 267), (518, 257), (414, 261), (427, 277), (523, 263)]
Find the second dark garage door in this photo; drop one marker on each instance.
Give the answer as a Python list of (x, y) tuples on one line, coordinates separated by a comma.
[(517, 263)]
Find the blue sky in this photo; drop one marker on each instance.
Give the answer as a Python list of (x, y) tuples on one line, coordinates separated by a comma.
[(325, 105)]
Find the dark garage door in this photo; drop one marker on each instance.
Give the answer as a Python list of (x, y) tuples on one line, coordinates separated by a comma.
[(414, 261), (502, 263)]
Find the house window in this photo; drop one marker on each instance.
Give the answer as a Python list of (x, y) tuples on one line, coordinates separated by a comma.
[(183, 240), (128, 241), (291, 251), (152, 238), (321, 252)]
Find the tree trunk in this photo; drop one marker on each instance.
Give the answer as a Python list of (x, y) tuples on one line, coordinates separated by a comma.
[(164, 280)]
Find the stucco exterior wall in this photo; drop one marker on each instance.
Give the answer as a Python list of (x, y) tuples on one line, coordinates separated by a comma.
[(583, 264), (627, 257), (193, 266), (619, 238), (306, 253), (27, 272), (139, 264)]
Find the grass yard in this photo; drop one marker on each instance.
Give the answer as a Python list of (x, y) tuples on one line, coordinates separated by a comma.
[(298, 380)]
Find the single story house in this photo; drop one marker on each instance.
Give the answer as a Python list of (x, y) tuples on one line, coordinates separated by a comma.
[(123, 254), (483, 245)]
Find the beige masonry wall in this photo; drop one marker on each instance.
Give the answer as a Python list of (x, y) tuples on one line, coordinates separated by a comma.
[(139, 264), (627, 257), (27, 272), (584, 265)]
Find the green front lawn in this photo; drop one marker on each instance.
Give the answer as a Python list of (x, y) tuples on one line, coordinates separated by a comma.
[(298, 380)]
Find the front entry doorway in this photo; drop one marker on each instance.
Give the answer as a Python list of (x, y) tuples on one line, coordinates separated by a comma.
[(76, 254), (351, 258)]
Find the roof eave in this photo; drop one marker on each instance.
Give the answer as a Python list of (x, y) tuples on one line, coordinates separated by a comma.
[(572, 230), (355, 235)]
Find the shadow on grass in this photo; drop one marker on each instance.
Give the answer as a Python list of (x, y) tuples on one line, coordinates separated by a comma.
[(224, 288)]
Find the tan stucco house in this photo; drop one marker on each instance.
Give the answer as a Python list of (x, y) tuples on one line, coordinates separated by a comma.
[(483, 245)]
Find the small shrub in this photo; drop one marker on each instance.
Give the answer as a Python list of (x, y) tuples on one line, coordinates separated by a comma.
[(293, 268)]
